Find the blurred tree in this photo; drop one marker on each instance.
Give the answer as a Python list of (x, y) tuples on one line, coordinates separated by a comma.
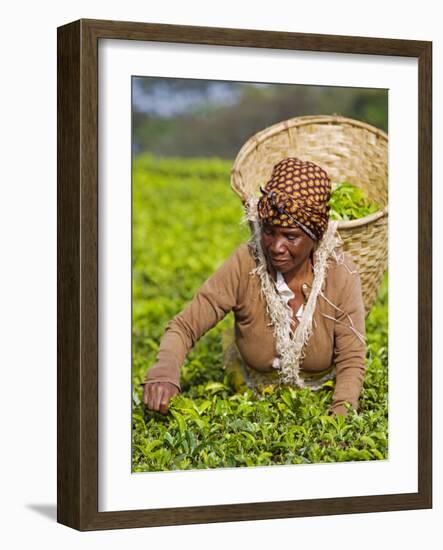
[(198, 118)]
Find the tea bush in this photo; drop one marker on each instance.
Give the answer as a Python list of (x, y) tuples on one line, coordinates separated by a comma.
[(185, 224)]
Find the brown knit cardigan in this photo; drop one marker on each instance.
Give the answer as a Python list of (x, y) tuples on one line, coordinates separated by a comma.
[(338, 325)]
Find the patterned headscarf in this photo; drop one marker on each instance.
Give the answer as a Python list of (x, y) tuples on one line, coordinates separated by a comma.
[(297, 194)]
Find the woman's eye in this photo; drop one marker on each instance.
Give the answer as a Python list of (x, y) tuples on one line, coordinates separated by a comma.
[(292, 237)]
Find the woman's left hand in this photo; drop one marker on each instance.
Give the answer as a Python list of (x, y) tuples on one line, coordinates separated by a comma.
[(339, 410)]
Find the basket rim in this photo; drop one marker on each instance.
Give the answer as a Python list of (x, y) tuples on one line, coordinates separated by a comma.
[(366, 220), (256, 139), (360, 222)]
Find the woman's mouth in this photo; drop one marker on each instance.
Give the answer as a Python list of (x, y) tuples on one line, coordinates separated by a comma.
[(278, 261)]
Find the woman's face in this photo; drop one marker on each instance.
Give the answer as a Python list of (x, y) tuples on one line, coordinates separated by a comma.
[(286, 248)]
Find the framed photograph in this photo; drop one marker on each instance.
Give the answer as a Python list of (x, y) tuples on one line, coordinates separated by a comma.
[(204, 174)]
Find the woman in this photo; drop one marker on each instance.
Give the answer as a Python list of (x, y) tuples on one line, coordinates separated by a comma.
[(299, 313)]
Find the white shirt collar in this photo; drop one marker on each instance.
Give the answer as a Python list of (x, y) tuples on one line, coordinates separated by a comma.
[(286, 293)]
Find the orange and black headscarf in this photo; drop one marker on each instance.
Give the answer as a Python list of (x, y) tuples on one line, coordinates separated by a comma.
[(297, 194)]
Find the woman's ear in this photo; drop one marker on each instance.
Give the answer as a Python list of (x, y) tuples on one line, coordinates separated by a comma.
[(314, 249)]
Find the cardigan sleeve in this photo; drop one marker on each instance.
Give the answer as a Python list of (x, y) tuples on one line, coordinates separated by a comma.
[(349, 340), (217, 297)]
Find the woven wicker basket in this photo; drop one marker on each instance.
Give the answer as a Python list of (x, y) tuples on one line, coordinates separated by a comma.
[(348, 150)]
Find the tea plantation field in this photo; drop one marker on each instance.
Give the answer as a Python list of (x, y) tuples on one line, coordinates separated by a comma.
[(186, 222)]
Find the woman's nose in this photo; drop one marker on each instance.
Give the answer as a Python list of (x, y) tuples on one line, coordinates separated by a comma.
[(276, 246)]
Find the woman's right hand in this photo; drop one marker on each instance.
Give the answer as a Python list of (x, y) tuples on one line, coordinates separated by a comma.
[(156, 395)]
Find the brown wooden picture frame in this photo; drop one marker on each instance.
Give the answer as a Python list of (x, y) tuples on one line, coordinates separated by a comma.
[(77, 274)]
